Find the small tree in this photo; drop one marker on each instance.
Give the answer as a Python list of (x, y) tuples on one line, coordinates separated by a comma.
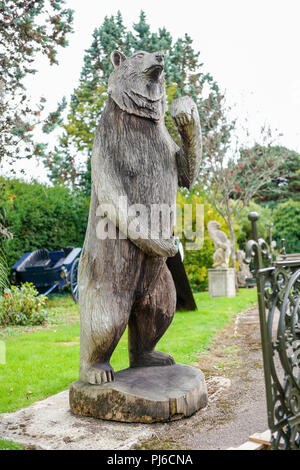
[(286, 183), (224, 174), (27, 27)]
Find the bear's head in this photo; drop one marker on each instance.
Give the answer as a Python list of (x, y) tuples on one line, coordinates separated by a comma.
[(137, 84)]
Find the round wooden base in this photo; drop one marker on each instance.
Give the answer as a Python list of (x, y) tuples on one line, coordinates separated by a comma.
[(142, 395)]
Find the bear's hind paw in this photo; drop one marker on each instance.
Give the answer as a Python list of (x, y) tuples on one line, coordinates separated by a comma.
[(99, 373), (154, 358)]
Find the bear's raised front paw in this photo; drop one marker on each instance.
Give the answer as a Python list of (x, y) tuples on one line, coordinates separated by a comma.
[(183, 111), (154, 358), (99, 373), (182, 119)]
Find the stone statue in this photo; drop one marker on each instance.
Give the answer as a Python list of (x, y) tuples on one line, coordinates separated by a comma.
[(124, 280), (221, 243), (244, 271)]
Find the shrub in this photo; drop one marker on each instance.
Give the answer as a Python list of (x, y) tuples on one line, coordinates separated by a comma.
[(263, 225), (39, 216), (22, 306), (197, 262), (286, 219)]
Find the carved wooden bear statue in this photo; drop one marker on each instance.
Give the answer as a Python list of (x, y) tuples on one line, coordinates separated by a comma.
[(124, 280)]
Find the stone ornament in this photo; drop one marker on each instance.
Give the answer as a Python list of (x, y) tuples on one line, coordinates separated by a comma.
[(221, 243), (244, 271)]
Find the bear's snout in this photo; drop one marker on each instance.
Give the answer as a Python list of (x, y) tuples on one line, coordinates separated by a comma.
[(159, 56), (155, 65)]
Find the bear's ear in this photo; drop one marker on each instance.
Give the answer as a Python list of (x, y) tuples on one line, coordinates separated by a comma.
[(117, 58)]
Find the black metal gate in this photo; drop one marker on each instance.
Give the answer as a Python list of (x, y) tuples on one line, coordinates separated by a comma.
[(278, 288)]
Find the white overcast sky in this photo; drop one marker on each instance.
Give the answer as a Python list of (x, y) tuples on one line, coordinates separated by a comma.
[(251, 47)]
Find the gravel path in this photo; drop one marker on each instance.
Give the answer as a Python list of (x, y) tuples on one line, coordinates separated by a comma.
[(237, 406)]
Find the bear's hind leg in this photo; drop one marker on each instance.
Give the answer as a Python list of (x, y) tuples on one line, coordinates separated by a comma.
[(150, 317), (103, 321)]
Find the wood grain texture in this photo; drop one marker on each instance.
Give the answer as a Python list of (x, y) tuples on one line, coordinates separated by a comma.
[(185, 299), (185, 114), (143, 395), (124, 279)]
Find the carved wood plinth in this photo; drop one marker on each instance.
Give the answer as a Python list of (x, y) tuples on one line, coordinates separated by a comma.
[(142, 395)]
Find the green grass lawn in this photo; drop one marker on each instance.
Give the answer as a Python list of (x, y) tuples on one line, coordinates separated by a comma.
[(41, 361), (9, 445)]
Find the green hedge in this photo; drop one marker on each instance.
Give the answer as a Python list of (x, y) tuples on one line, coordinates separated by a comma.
[(286, 218), (39, 216)]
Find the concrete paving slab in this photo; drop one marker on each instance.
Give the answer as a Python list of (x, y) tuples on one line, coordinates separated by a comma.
[(49, 424)]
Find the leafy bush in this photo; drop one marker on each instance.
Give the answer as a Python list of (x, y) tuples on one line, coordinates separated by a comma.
[(39, 216), (263, 225), (197, 262), (22, 306), (286, 219)]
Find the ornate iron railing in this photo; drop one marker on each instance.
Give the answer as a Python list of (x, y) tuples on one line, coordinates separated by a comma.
[(278, 288)]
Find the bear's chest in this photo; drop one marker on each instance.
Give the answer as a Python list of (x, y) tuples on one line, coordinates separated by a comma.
[(145, 163)]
